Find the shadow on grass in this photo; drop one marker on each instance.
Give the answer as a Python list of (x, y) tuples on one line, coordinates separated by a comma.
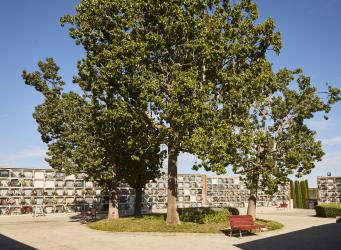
[(81, 218), (326, 237), (9, 243)]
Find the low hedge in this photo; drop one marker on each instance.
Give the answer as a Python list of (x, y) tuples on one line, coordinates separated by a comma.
[(328, 210), (206, 214)]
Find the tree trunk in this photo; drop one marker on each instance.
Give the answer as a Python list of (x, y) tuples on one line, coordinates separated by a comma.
[(138, 202), (172, 213), (251, 207), (113, 203)]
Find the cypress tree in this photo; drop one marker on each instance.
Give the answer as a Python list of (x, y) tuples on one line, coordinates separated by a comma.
[(307, 191), (307, 188), (303, 194), (298, 194)]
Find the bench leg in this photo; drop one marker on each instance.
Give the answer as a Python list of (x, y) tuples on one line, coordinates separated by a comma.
[(240, 233), (231, 232)]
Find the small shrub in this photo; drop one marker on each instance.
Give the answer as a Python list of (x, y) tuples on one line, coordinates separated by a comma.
[(233, 210), (328, 210), (206, 215), (215, 217)]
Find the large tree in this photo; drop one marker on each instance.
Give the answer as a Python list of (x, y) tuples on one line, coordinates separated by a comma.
[(179, 62), (110, 142), (142, 167), (274, 140)]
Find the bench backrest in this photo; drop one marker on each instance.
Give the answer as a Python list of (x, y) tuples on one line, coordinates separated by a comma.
[(237, 220)]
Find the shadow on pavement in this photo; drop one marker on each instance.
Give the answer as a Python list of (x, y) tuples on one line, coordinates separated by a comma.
[(326, 237), (8, 243), (235, 233), (83, 219)]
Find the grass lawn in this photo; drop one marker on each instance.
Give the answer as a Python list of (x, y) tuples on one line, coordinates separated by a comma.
[(156, 223)]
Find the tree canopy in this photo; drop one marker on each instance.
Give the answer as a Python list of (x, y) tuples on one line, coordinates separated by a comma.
[(193, 75), (273, 141), (178, 61), (110, 142)]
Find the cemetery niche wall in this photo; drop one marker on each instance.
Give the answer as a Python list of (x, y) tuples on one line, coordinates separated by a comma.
[(23, 190), (329, 189)]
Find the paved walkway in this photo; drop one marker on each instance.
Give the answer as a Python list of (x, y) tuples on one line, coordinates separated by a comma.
[(301, 231)]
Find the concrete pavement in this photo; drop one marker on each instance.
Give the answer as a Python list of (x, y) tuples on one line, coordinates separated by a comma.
[(62, 232)]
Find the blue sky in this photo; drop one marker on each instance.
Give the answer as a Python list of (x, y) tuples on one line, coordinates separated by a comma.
[(30, 31)]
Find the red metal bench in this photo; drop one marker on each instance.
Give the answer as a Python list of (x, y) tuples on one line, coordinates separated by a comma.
[(283, 205), (243, 222)]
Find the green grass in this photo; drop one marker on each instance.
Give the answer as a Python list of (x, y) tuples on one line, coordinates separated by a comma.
[(270, 224), (156, 223)]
